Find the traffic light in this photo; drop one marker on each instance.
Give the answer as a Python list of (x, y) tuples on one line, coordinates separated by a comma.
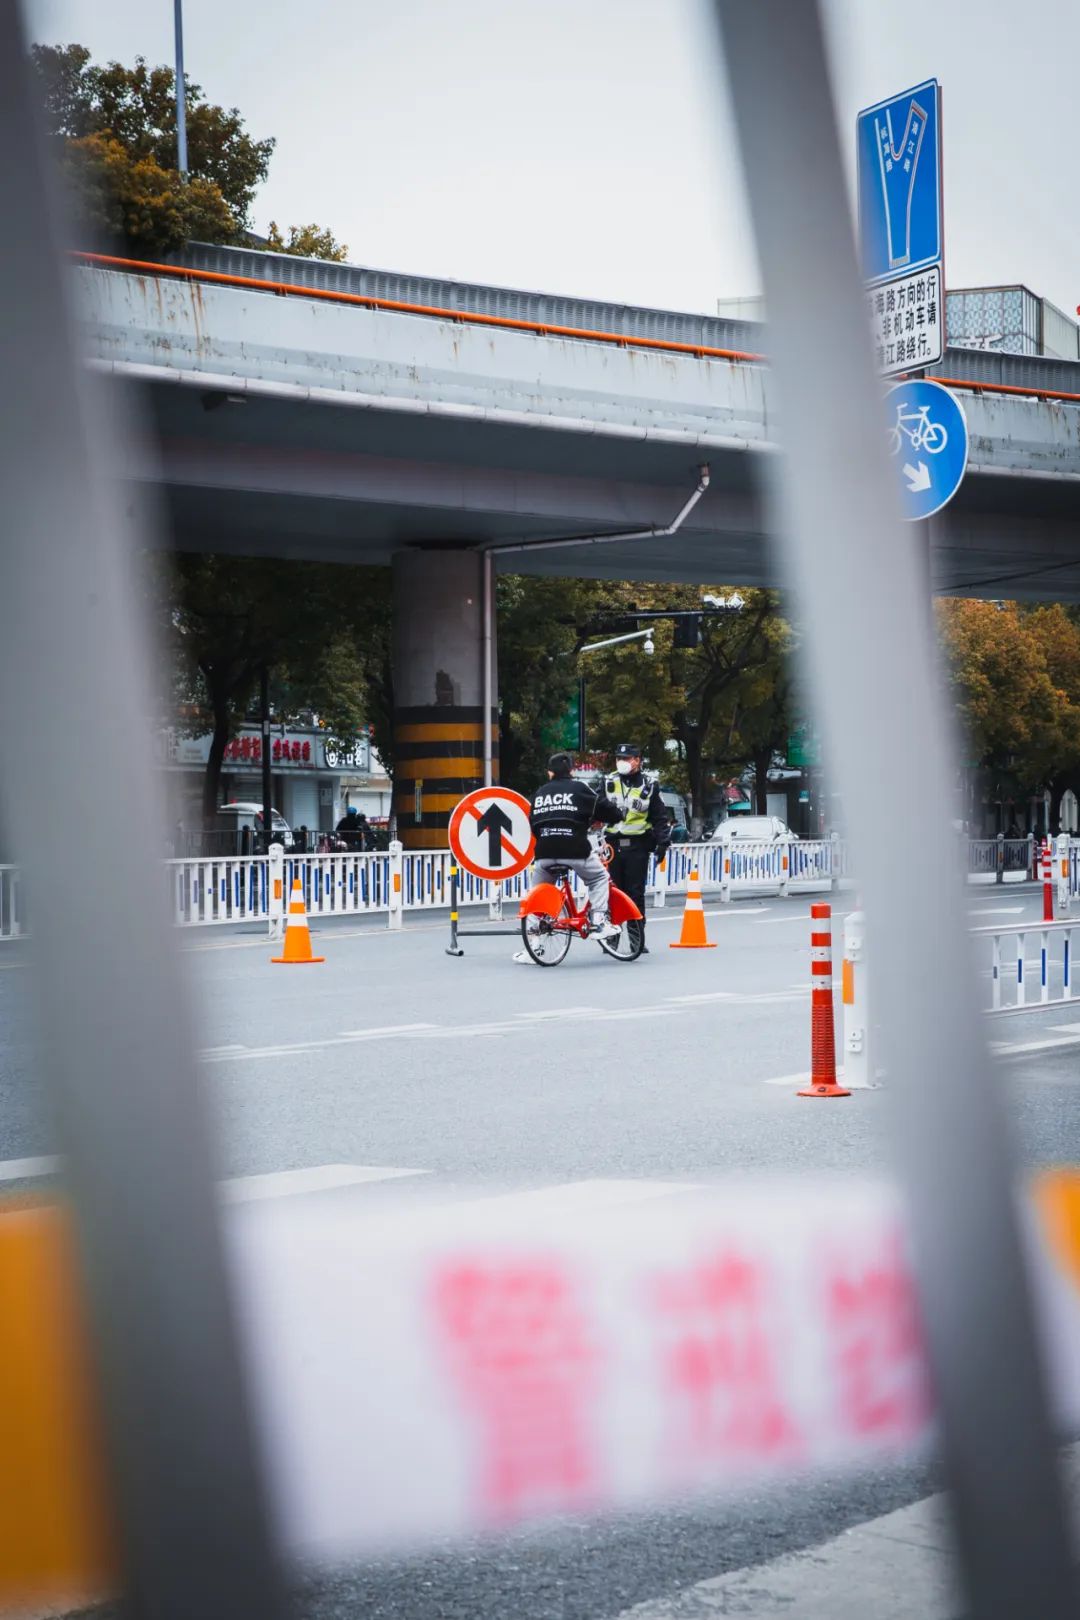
[(688, 630)]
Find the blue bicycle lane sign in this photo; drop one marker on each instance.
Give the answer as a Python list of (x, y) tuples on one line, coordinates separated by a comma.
[(928, 442)]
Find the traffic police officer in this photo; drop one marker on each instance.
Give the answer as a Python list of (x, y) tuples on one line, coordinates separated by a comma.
[(645, 826)]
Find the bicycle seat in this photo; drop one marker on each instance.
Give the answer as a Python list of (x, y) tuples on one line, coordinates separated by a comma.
[(556, 873)]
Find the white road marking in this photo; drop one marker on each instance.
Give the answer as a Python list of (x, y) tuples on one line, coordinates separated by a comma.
[(749, 998), (617, 1014), (521, 1022), (577, 1196), (448, 1032), (805, 918), (383, 1030), (674, 912), (316, 1178), (291, 1049), (562, 1012), (230, 1046), (996, 911), (20, 1169), (1003, 1049)]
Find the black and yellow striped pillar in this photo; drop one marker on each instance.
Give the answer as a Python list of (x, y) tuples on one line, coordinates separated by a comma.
[(439, 757), (438, 689)]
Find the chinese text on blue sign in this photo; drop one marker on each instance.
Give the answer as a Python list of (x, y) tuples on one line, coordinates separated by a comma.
[(898, 145)]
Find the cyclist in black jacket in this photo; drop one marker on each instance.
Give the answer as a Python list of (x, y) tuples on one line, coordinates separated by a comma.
[(563, 810)]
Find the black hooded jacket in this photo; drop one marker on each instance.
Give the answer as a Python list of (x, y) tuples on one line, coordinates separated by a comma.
[(561, 813)]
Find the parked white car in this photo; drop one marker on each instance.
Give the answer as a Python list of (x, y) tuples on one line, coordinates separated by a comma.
[(239, 814), (753, 829)]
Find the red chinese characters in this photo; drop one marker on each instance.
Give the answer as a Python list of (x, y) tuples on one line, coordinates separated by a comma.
[(525, 1362), (876, 1345), (720, 1364)]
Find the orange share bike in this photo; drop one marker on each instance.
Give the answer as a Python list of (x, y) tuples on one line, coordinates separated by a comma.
[(551, 918)]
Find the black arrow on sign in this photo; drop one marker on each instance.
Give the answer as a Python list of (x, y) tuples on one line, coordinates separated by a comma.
[(494, 822)]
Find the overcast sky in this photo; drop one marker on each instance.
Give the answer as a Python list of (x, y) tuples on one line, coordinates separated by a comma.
[(584, 146)]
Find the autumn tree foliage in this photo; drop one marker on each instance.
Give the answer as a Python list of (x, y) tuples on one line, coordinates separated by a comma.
[(115, 131), (307, 242), (1015, 672)]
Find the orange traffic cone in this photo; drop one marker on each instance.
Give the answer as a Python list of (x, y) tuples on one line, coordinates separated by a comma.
[(693, 936), (297, 936)]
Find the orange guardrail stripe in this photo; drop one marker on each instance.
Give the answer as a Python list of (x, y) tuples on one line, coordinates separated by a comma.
[(289, 289)]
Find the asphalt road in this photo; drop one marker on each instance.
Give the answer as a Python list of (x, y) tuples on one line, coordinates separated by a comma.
[(483, 1072)]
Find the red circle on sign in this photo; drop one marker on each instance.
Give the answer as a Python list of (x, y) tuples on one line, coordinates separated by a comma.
[(495, 805)]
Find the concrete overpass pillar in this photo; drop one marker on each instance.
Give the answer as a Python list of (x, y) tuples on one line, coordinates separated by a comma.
[(438, 689)]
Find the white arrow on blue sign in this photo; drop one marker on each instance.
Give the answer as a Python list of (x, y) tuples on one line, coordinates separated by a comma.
[(898, 144), (928, 441)]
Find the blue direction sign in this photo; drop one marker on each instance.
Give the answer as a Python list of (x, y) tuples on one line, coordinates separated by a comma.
[(928, 441), (898, 143)]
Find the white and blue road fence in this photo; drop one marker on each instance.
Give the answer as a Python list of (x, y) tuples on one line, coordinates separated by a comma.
[(236, 889)]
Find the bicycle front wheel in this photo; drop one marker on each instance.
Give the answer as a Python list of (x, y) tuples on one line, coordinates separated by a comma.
[(935, 438), (627, 944), (545, 942)]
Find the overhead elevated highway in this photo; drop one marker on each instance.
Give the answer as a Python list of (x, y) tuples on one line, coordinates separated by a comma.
[(308, 410), (358, 412)]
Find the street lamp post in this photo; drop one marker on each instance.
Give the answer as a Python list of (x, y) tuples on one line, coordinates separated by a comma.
[(181, 101), (645, 636)]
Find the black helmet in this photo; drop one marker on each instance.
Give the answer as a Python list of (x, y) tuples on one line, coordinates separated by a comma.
[(631, 750), (560, 764)]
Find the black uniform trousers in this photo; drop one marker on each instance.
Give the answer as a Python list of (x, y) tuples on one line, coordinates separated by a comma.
[(629, 869)]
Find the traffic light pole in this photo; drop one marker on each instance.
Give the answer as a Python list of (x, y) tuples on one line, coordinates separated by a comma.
[(267, 784)]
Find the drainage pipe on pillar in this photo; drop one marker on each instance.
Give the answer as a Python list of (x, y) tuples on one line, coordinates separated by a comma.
[(655, 533), (487, 652)]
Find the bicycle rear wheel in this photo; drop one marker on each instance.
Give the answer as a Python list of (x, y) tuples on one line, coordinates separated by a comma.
[(545, 943), (627, 944)]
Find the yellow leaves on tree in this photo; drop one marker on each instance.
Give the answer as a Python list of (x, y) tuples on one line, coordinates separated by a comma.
[(152, 209), (307, 242), (1016, 674)]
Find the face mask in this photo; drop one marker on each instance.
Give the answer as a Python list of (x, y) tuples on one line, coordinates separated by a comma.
[(624, 767)]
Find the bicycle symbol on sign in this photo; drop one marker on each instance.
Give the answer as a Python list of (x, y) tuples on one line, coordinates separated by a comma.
[(917, 426)]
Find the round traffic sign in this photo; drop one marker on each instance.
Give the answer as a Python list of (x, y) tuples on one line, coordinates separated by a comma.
[(928, 441), (490, 833)]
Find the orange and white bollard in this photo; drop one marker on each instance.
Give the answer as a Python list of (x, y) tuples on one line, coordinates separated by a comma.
[(276, 896), (822, 1029), (1047, 863), (859, 1071), (1061, 862)]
